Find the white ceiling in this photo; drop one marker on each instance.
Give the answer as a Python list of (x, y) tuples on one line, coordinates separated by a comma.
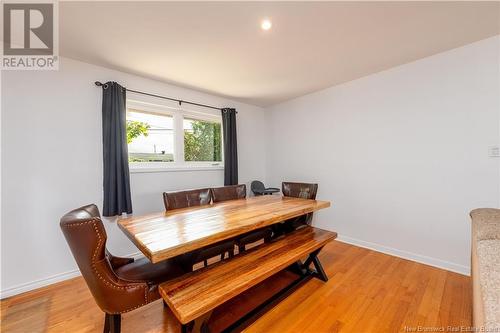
[(218, 47)]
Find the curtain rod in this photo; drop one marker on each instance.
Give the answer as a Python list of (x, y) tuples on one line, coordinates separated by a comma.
[(100, 84)]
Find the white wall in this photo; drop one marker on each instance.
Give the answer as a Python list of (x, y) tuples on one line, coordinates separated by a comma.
[(402, 154), (52, 162)]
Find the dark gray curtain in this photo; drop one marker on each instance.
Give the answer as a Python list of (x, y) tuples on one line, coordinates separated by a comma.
[(230, 147), (115, 151)]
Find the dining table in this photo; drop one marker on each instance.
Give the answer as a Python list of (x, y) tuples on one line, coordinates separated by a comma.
[(167, 234)]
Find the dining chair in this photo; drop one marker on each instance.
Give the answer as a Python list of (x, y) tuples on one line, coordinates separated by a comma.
[(191, 198), (234, 192), (117, 284), (184, 199), (297, 190), (230, 192)]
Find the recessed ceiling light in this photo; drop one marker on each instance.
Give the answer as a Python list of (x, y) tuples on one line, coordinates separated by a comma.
[(266, 24)]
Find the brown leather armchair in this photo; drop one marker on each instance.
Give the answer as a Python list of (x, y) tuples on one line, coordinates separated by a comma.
[(118, 284), (190, 198), (297, 190), (234, 192)]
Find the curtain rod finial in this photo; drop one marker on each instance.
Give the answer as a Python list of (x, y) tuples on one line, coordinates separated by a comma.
[(100, 84)]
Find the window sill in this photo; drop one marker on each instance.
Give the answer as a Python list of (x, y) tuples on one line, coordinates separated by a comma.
[(188, 168)]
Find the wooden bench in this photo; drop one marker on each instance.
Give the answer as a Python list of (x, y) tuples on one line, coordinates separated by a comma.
[(193, 296)]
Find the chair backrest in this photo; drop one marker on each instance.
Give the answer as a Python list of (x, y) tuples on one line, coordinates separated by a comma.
[(299, 190), (86, 237), (230, 192), (183, 199), (257, 186)]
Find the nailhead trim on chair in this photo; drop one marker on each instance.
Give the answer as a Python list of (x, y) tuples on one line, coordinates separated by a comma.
[(94, 256)]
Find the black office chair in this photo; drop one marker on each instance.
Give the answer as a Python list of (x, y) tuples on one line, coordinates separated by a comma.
[(258, 188)]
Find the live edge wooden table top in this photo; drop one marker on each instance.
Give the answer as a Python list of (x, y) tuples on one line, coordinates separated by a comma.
[(168, 234)]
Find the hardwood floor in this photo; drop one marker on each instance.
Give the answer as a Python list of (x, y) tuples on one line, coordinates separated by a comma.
[(367, 292)]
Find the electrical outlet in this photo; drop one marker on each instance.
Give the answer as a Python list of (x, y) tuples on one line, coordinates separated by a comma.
[(494, 151)]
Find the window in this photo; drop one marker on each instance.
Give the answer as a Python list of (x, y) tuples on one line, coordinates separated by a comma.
[(150, 137), (202, 141), (162, 138)]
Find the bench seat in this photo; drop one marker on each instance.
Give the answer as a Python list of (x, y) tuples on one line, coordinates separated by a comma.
[(197, 293)]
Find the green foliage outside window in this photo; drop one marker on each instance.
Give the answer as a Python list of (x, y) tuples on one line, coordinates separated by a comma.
[(135, 129), (203, 143)]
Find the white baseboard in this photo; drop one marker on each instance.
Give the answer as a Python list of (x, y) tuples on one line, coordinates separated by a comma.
[(24, 287), (449, 266)]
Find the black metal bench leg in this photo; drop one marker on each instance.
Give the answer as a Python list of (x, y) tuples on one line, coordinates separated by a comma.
[(297, 268), (319, 269), (309, 259), (313, 259)]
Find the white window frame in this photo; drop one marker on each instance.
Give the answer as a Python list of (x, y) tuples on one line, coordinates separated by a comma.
[(178, 114)]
